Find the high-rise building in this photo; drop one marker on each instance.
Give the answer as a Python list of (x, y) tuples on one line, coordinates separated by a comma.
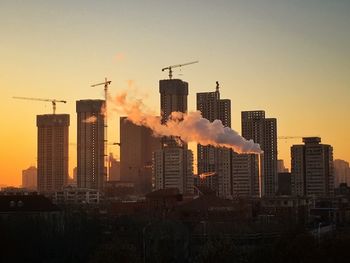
[(312, 168), (173, 97), (173, 167), (137, 145), (173, 164), (263, 131), (245, 175), (29, 178), (52, 151), (341, 172), (91, 170), (213, 159)]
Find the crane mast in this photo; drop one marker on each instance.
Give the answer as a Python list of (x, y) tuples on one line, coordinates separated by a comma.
[(106, 83), (177, 66), (53, 101)]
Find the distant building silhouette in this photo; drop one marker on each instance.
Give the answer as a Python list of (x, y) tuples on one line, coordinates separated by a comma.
[(280, 167), (341, 172), (52, 151), (29, 178), (91, 168), (213, 159), (114, 168), (263, 131), (312, 168), (136, 147), (173, 164)]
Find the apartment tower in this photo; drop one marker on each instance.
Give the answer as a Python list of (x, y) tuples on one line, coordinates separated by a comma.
[(52, 151), (312, 168), (212, 159), (263, 131)]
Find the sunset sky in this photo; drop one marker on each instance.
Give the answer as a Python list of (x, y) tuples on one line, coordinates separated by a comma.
[(289, 58)]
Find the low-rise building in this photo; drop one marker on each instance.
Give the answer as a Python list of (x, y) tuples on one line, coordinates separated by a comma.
[(72, 195)]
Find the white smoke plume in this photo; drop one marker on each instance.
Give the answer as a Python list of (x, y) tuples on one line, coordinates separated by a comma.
[(189, 127), (91, 119)]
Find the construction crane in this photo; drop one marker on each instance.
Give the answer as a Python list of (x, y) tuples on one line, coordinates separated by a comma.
[(285, 138), (53, 101), (177, 66), (106, 83)]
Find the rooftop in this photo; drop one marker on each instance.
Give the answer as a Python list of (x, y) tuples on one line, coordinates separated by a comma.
[(26, 203)]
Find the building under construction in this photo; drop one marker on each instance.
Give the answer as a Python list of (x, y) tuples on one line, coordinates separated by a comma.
[(91, 170), (173, 164)]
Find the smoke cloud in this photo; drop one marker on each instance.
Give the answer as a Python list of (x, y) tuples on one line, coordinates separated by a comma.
[(119, 57), (91, 119), (189, 127)]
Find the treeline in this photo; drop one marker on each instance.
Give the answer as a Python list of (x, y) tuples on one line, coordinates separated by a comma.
[(88, 237)]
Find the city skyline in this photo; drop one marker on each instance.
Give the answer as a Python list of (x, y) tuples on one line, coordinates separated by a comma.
[(293, 64)]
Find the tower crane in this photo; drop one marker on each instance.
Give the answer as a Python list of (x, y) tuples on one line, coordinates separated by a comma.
[(106, 83), (292, 137), (53, 101), (177, 66)]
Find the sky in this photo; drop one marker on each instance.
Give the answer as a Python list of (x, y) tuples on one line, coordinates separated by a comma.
[(289, 58)]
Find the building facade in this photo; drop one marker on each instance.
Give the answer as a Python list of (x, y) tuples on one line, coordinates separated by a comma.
[(137, 145), (245, 175), (263, 131), (91, 170), (52, 151), (341, 172), (173, 168), (312, 168)]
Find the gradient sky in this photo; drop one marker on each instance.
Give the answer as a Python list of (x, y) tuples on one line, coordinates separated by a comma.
[(289, 58)]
